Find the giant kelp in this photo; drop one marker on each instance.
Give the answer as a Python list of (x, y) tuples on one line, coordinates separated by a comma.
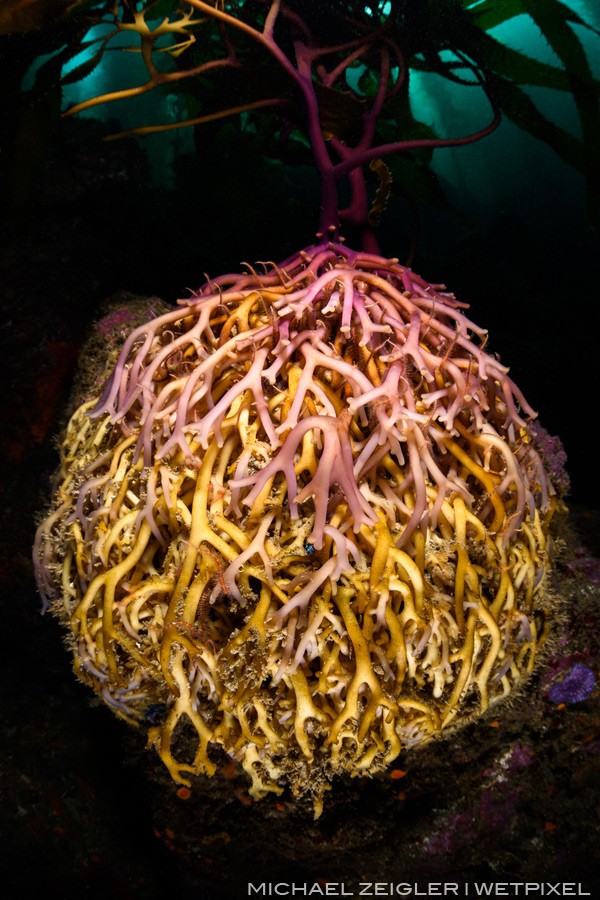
[(308, 516)]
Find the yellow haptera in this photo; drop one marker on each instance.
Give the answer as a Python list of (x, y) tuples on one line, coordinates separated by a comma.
[(311, 545)]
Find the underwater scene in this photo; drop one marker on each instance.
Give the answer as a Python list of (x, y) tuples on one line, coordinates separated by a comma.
[(300, 552)]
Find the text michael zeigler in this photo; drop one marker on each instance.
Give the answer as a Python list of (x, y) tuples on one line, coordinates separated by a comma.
[(531, 889)]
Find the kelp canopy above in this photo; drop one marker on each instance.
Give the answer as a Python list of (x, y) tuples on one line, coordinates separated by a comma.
[(195, 52), (305, 521)]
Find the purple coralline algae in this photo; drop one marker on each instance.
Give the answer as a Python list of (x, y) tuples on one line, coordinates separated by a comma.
[(576, 686), (552, 451), (585, 565)]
